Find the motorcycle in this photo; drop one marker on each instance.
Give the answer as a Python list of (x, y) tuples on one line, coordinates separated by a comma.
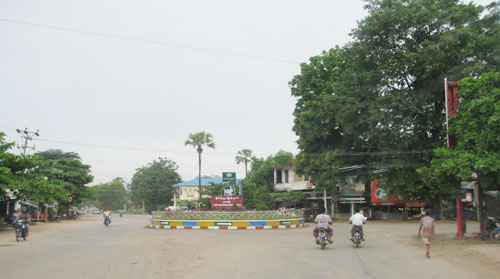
[(107, 220), (491, 229), (322, 238), (21, 230), (356, 236)]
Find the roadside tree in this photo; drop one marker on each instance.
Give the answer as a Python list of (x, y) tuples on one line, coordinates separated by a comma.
[(66, 170), (111, 195), (19, 176), (378, 101), (476, 126), (152, 185)]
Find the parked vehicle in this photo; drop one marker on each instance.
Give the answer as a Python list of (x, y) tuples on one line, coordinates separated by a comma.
[(21, 230), (96, 211), (322, 238), (495, 235), (491, 229), (356, 236)]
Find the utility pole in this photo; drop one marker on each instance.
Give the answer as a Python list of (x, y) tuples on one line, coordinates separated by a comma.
[(450, 89), (27, 135)]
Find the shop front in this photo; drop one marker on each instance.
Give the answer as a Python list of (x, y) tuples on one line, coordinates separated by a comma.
[(384, 205)]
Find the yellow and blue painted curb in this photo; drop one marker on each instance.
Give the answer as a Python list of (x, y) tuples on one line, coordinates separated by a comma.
[(226, 224)]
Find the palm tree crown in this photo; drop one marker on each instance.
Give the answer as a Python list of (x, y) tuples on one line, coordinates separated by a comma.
[(199, 140), (244, 156)]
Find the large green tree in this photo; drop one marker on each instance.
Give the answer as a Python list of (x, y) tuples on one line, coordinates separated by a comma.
[(379, 100), (198, 141), (66, 170), (22, 176), (153, 184), (111, 195), (476, 126)]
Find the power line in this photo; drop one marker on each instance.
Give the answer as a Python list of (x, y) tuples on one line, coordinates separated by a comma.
[(107, 35), (367, 153)]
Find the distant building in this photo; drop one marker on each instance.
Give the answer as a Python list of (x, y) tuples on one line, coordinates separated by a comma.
[(348, 196), (188, 190), (286, 180)]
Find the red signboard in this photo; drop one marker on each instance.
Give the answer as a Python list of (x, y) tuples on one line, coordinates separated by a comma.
[(380, 197), (226, 201)]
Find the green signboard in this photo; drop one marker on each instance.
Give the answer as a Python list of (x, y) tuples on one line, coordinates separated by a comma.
[(228, 176)]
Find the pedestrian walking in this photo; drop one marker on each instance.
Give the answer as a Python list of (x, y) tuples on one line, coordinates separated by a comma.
[(427, 231)]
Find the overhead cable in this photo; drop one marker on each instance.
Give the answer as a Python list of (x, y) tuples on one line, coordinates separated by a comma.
[(107, 35)]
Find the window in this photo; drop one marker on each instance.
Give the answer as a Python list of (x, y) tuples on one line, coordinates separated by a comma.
[(286, 176), (279, 178)]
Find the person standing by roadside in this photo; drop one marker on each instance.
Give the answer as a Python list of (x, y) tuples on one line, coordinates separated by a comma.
[(427, 231)]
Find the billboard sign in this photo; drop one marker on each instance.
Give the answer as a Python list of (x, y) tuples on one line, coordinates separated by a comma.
[(381, 197), (352, 187), (226, 201), (228, 176)]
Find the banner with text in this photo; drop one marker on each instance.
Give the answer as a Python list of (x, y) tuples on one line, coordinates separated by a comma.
[(226, 201)]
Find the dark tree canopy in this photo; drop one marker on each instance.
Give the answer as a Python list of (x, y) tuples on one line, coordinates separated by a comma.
[(477, 128), (153, 184), (379, 100), (66, 170)]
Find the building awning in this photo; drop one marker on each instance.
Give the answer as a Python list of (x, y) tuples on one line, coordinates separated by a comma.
[(352, 200), (29, 203)]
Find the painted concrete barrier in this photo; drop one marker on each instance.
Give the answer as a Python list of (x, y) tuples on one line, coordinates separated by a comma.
[(226, 224)]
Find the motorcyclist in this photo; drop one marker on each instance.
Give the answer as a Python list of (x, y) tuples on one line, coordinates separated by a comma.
[(25, 217), (106, 214), (357, 220), (323, 220)]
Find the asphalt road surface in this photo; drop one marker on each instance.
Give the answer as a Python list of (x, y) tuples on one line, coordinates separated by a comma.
[(127, 249)]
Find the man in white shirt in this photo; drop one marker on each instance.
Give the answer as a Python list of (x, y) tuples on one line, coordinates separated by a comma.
[(357, 220), (323, 220)]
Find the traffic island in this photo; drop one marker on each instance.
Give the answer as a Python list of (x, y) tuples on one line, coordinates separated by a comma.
[(227, 220)]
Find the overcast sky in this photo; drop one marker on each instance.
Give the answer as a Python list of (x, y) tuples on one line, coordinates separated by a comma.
[(124, 82)]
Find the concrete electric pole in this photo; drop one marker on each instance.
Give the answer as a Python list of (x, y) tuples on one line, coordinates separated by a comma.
[(27, 135)]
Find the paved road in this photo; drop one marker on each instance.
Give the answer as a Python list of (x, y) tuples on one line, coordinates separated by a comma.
[(126, 249)]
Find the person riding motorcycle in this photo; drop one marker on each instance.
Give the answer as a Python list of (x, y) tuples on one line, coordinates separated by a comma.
[(357, 220), (107, 215), (25, 217), (323, 220)]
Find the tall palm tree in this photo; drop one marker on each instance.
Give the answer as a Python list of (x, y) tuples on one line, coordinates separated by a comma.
[(244, 156), (199, 140)]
